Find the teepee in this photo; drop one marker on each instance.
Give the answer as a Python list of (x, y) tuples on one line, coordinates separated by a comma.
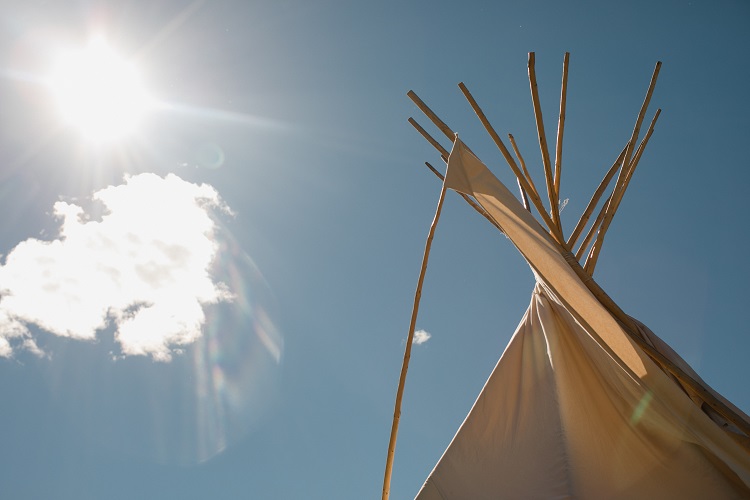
[(585, 401)]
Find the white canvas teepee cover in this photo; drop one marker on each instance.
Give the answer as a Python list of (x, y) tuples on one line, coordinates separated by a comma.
[(574, 408)]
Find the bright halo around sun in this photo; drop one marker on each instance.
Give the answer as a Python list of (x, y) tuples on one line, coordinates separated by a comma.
[(99, 93)]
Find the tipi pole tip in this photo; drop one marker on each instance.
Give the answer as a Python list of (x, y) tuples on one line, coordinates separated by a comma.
[(444, 128), (443, 152), (435, 171), (561, 126)]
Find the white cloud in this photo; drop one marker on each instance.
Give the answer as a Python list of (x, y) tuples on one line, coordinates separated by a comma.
[(421, 336), (5, 348), (11, 329), (143, 268)]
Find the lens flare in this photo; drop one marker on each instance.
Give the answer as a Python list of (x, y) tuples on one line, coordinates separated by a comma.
[(641, 408), (241, 348), (209, 155)]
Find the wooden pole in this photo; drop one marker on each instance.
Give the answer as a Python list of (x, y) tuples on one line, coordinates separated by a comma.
[(626, 173), (592, 230), (554, 230), (554, 208), (611, 208), (561, 125), (637, 158), (407, 351), (594, 200), (445, 129), (523, 164), (443, 152), (642, 113), (435, 171), (520, 187)]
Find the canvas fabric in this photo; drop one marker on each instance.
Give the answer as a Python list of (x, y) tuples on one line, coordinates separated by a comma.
[(574, 408)]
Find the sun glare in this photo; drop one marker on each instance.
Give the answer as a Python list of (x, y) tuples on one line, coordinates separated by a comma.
[(99, 93)]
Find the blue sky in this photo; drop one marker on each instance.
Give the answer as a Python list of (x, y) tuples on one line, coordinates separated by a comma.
[(274, 374)]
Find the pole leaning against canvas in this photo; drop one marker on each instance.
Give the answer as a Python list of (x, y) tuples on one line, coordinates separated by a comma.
[(575, 408)]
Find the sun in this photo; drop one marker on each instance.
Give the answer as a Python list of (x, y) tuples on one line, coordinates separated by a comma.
[(99, 93)]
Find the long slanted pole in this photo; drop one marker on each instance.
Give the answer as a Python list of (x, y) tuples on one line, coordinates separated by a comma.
[(621, 183), (592, 230), (407, 351)]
